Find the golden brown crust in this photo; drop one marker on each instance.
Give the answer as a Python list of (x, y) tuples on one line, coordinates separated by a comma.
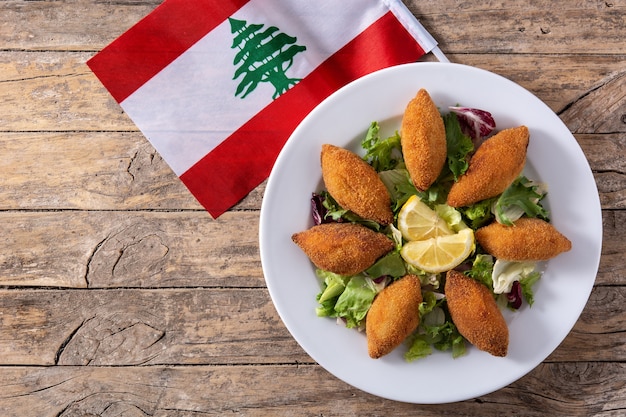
[(355, 185), (393, 316), (528, 239), (475, 314), (342, 248), (423, 139), (494, 166)]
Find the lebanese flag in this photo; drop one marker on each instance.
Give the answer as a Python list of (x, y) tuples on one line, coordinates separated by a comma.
[(218, 86)]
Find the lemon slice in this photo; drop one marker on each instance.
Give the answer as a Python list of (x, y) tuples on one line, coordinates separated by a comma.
[(417, 221), (441, 253)]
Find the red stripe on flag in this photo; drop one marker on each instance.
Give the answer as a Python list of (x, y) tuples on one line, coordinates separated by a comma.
[(244, 160), (154, 42)]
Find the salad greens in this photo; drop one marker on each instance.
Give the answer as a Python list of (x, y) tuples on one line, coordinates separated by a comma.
[(384, 154), (522, 197), (459, 146), (348, 298), (475, 123)]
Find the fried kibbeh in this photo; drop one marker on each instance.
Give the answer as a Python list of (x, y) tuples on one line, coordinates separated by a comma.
[(492, 168), (423, 140), (529, 239), (393, 316), (342, 248), (355, 185), (476, 315)]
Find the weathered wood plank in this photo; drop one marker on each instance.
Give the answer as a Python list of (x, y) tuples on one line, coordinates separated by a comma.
[(582, 389), (612, 269), (606, 157), (605, 306), (564, 82), (211, 326), (114, 249), (143, 327), (128, 249), (79, 26), (509, 27), (122, 171), (87, 171), (605, 153), (490, 5), (494, 27), (59, 93), (55, 91), (602, 110)]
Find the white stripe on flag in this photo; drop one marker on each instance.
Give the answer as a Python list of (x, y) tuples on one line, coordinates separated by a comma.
[(189, 104)]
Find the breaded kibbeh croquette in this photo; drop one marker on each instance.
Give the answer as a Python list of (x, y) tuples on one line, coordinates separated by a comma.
[(529, 239), (475, 314), (492, 168), (355, 185), (393, 316), (343, 248), (423, 140)]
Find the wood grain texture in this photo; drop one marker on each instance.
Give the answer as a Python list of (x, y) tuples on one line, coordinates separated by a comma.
[(507, 27), (120, 296), (58, 92), (512, 27), (108, 249), (68, 25), (568, 389), (144, 327), (212, 326)]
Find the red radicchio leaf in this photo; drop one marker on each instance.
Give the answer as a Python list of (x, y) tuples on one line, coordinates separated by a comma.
[(318, 211), (515, 296), (381, 278), (475, 123)]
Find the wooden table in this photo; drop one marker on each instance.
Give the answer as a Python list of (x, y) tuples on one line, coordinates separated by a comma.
[(120, 296)]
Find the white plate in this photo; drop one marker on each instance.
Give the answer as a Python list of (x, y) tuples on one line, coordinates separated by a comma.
[(554, 157)]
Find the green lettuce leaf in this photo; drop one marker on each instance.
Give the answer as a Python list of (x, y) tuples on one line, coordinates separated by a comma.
[(429, 302), (338, 213), (451, 216), (391, 264), (447, 337), (482, 270), (479, 214), (435, 330), (399, 185), (527, 286), (442, 337), (381, 154), (355, 301), (521, 197), (332, 284), (459, 145), (419, 347)]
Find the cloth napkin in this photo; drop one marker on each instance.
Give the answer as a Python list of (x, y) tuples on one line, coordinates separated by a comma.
[(218, 86)]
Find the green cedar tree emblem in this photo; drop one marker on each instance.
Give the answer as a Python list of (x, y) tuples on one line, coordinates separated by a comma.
[(263, 56)]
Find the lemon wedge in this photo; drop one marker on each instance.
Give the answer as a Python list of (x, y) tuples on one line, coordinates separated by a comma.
[(417, 221), (440, 253)]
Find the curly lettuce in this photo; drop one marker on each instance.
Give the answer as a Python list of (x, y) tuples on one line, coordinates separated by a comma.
[(459, 146), (522, 197)]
